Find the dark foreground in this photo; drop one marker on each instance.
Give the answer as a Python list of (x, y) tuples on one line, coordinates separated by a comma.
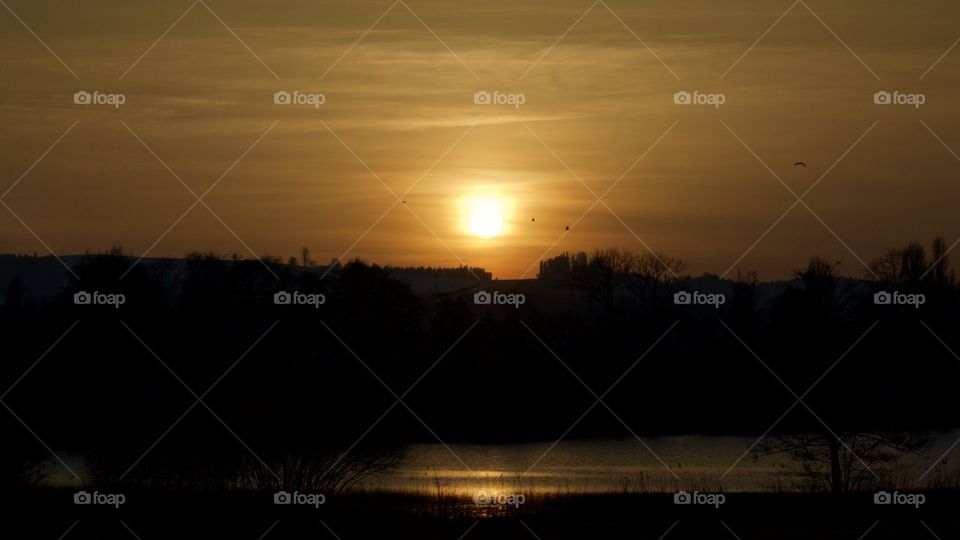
[(52, 514)]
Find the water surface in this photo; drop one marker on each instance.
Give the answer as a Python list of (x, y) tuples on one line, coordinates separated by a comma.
[(691, 462)]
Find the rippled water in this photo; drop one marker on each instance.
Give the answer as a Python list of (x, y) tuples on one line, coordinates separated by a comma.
[(610, 465), (658, 464)]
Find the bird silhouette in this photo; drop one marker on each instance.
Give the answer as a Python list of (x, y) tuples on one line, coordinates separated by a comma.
[(800, 164), (533, 219), (568, 227)]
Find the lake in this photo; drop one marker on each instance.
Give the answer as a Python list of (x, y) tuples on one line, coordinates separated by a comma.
[(690, 462)]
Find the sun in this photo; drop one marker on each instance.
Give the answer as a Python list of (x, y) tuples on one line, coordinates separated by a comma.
[(484, 216), (486, 219)]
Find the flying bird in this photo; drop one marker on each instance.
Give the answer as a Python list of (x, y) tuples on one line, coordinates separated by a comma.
[(533, 219), (568, 227), (800, 164)]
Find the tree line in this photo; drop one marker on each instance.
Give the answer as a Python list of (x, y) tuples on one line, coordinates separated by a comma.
[(285, 389)]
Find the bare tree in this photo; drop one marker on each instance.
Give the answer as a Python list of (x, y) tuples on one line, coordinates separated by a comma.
[(823, 298), (604, 273), (909, 266), (654, 276), (849, 461), (305, 257), (849, 457), (940, 272)]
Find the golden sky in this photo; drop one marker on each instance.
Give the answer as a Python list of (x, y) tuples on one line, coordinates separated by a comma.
[(598, 81)]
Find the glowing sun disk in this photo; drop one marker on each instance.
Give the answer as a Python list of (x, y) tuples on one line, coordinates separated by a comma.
[(486, 218)]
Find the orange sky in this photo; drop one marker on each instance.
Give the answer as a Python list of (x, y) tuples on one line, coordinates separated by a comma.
[(399, 114)]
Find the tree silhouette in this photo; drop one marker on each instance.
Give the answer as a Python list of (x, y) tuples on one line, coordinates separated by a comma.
[(835, 451), (844, 463), (299, 396)]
